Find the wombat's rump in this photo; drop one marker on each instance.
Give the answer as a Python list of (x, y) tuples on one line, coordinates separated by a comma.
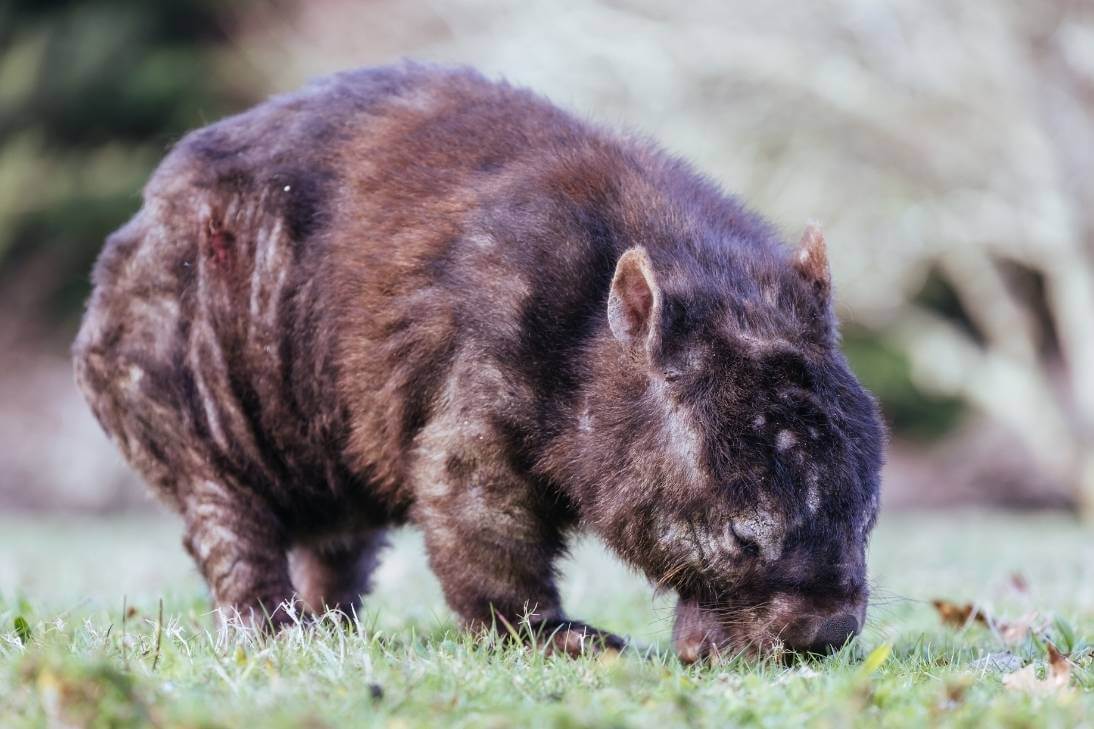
[(409, 294)]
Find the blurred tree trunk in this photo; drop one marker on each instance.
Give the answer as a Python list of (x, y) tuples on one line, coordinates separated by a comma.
[(1066, 99), (1046, 397)]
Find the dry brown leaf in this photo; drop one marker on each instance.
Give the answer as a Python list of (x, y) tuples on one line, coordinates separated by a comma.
[(958, 615), (1057, 680), (1058, 662), (955, 690), (1015, 631), (1012, 632)]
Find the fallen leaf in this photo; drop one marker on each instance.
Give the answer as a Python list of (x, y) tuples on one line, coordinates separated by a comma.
[(1026, 680), (1012, 632), (955, 690), (1057, 680), (877, 657), (958, 615), (1058, 662), (1015, 631)]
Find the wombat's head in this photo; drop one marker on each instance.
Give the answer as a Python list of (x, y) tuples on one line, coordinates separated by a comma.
[(746, 453)]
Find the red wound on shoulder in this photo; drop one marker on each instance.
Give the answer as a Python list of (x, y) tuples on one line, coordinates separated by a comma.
[(218, 242)]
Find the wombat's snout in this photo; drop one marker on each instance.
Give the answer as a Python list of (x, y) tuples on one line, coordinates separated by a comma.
[(703, 632), (823, 635)]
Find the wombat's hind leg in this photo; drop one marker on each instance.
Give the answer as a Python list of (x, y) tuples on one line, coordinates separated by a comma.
[(240, 548), (334, 574)]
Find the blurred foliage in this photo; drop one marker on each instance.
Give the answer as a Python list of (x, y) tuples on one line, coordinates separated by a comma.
[(885, 367), (91, 93), (887, 372), (939, 296)]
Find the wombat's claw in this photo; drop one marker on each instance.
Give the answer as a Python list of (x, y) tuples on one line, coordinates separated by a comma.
[(576, 639)]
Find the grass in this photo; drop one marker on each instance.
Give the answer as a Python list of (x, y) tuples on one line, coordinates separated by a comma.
[(82, 642)]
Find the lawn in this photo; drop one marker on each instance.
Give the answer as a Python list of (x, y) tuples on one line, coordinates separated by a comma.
[(77, 661)]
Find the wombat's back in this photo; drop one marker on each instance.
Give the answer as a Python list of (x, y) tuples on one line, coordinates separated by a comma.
[(298, 261)]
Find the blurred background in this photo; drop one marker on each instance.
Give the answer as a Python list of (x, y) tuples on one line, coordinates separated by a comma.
[(947, 149)]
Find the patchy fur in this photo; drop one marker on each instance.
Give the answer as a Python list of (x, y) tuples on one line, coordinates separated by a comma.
[(408, 294)]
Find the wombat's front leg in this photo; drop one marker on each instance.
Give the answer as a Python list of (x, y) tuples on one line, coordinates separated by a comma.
[(492, 552), (239, 547)]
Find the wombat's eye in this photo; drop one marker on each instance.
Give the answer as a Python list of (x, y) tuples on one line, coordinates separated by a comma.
[(747, 546)]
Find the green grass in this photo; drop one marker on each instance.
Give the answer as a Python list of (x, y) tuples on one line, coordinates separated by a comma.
[(77, 662)]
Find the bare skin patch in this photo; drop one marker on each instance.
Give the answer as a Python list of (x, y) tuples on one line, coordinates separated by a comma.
[(812, 498), (585, 420), (680, 434), (812, 490), (698, 543), (764, 528)]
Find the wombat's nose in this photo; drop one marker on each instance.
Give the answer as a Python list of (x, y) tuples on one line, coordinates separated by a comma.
[(834, 632)]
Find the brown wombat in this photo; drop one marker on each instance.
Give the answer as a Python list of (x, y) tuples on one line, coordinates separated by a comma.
[(411, 295)]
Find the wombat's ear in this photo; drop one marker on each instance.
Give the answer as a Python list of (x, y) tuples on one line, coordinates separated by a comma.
[(634, 303), (811, 261)]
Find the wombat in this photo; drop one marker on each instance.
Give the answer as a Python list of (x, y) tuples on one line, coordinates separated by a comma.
[(410, 295)]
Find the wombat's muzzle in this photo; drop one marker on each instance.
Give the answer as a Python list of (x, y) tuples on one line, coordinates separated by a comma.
[(822, 634), (790, 622), (830, 635)]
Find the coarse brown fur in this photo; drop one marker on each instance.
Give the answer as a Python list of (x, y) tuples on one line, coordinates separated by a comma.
[(411, 295)]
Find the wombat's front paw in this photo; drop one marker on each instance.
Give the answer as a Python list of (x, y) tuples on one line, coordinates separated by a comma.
[(575, 638), (697, 635)]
